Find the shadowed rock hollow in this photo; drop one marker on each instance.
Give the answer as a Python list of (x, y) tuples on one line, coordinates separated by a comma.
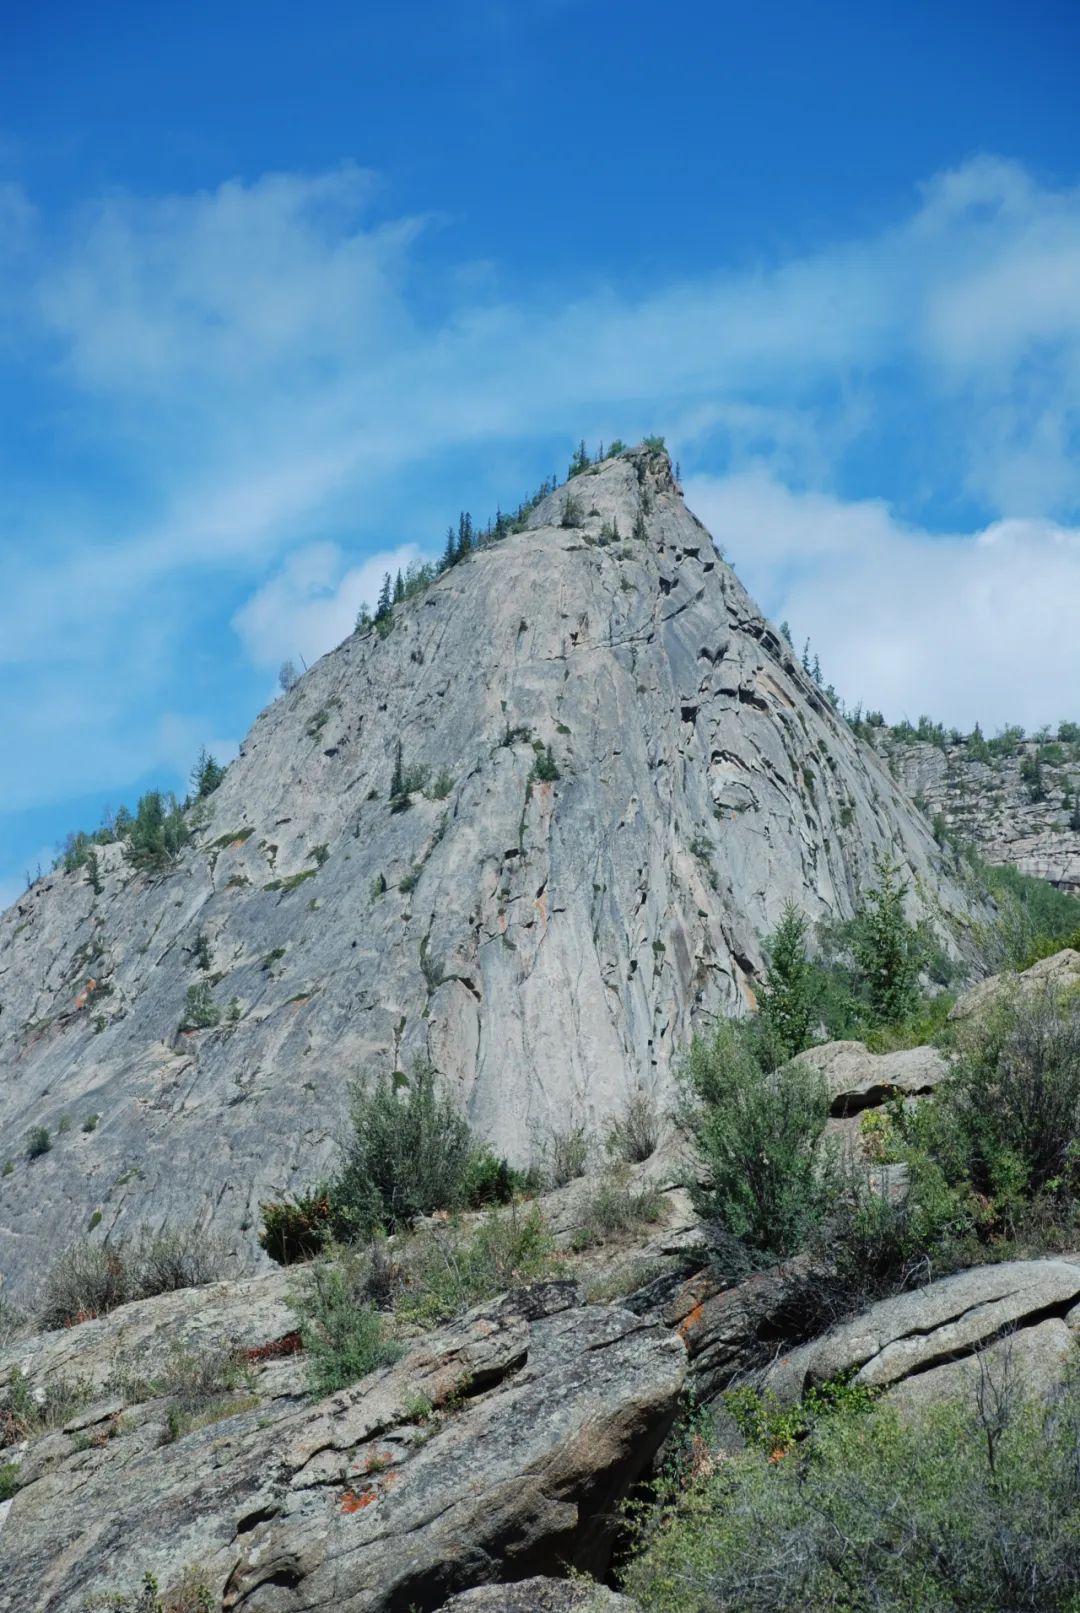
[(548, 942)]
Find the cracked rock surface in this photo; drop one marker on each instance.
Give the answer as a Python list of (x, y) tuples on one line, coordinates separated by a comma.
[(549, 944), (541, 1413), (915, 1342)]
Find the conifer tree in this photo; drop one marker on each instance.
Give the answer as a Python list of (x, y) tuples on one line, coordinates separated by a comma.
[(450, 553), (399, 588), (787, 1005), (397, 779), (580, 460), (888, 950), (386, 600)]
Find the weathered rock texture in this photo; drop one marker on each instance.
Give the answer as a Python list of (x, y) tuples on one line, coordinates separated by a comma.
[(546, 1412), (917, 1343), (547, 944), (989, 802)]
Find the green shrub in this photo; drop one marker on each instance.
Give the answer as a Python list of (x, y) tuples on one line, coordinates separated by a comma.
[(970, 1506), (38, 1142), (9, 1480), (200, 1009), (296, 1228), (344, 1336), (1008, 1117), (409, 1153), (614, 1208), (94, 1277), (91, 1122), (490, 1179), (447, 1271), (634, 1133), (566, 1155), (545, 769), (769, 1180)]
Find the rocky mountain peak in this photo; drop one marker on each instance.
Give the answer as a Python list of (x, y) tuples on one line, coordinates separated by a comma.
[(531, 827)]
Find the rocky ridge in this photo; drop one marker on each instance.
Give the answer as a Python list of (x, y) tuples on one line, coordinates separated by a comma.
[(988, 801)]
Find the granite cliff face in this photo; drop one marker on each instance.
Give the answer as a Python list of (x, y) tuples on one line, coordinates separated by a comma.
[(548, 942)]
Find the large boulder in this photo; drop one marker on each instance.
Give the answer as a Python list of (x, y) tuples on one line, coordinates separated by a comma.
[(497, 1447), (1057, 973), (858, 1079), (925, 1333)]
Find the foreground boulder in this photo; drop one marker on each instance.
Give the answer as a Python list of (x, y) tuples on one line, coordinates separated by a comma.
[(916, 1343), (497, 1447), (857, 1079)]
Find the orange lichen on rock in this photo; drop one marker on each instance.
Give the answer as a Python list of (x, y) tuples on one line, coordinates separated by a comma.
[(356, 1501)]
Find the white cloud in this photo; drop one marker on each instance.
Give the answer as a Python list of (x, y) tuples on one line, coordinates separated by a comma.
[(977, 627), (310, 604)]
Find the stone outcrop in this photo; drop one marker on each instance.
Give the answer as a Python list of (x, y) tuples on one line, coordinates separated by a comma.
[(547, 942), (496, 1448), (917, 1343)]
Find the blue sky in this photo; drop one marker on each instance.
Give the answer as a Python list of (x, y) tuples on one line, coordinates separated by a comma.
[(282, 291)]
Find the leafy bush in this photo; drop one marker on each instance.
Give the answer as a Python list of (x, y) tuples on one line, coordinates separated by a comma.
[(614, 1208), (1008, 1117), (491, 1180), (200, 1010), (971, 1505), (344, 1336), (296, 1228), (92, 1278), (566, 1155), (769, 1179), (633, 1134), (410, 1152), (38, 1142), (448, 1271)]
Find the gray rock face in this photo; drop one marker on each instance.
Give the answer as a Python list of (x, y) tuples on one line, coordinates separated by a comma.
[(989, 802), (917, 1342), (548, 944), (550, 1410)]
